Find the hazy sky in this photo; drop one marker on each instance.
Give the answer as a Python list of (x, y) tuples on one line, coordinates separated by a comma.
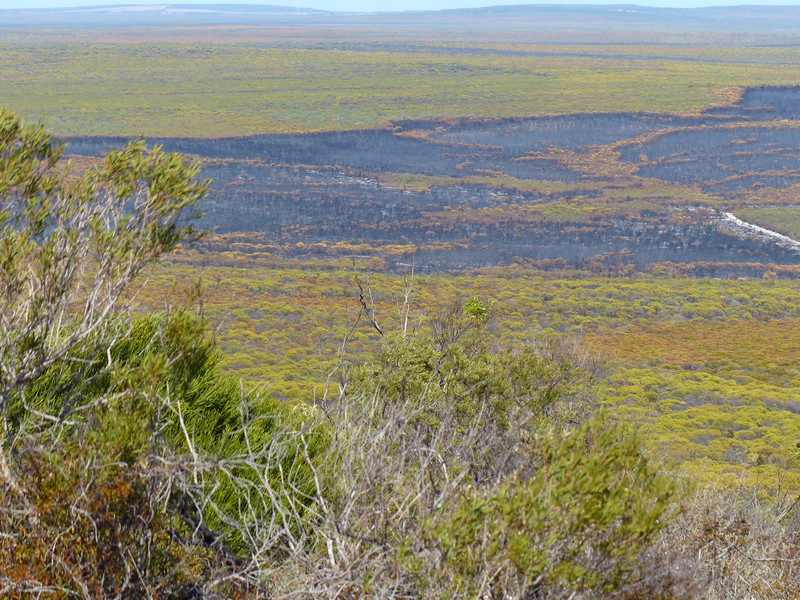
[(388, 5)]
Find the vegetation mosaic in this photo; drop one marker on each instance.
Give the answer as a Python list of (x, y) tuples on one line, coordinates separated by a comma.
[(479, 314)]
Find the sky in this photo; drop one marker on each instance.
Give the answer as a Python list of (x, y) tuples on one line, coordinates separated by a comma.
[(388, 5)]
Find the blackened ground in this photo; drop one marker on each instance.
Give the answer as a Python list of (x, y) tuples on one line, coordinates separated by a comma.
[(330, 187)]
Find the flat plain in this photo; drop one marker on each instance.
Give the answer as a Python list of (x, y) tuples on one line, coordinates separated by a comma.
[(224, 80)]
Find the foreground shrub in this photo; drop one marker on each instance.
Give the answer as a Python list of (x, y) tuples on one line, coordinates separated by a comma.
[(463, 474), (577, 521), (107, 488)]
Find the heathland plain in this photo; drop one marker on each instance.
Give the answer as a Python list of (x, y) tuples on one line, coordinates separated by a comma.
[(577, 181), (529, 158)]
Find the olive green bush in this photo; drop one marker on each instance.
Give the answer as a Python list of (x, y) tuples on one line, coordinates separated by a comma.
[(71, 248), (97, 497), (578, 523), (469, 470)]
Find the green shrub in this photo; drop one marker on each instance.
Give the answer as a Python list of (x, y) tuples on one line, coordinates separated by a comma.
[(575, 522)]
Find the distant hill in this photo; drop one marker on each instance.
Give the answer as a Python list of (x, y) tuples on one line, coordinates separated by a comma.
[(750, 19), (538, 17), (165, 14)]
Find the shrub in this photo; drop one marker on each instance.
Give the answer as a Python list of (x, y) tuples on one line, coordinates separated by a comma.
[(463, 474), (96, 499)]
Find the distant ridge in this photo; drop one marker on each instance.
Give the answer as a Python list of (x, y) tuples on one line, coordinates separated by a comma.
[(531, 17), (166, 8), (158, 14), (189, 8)]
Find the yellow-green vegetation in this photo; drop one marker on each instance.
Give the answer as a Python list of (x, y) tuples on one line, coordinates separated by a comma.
[(705, 368), (227, 87), (720, 398)]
